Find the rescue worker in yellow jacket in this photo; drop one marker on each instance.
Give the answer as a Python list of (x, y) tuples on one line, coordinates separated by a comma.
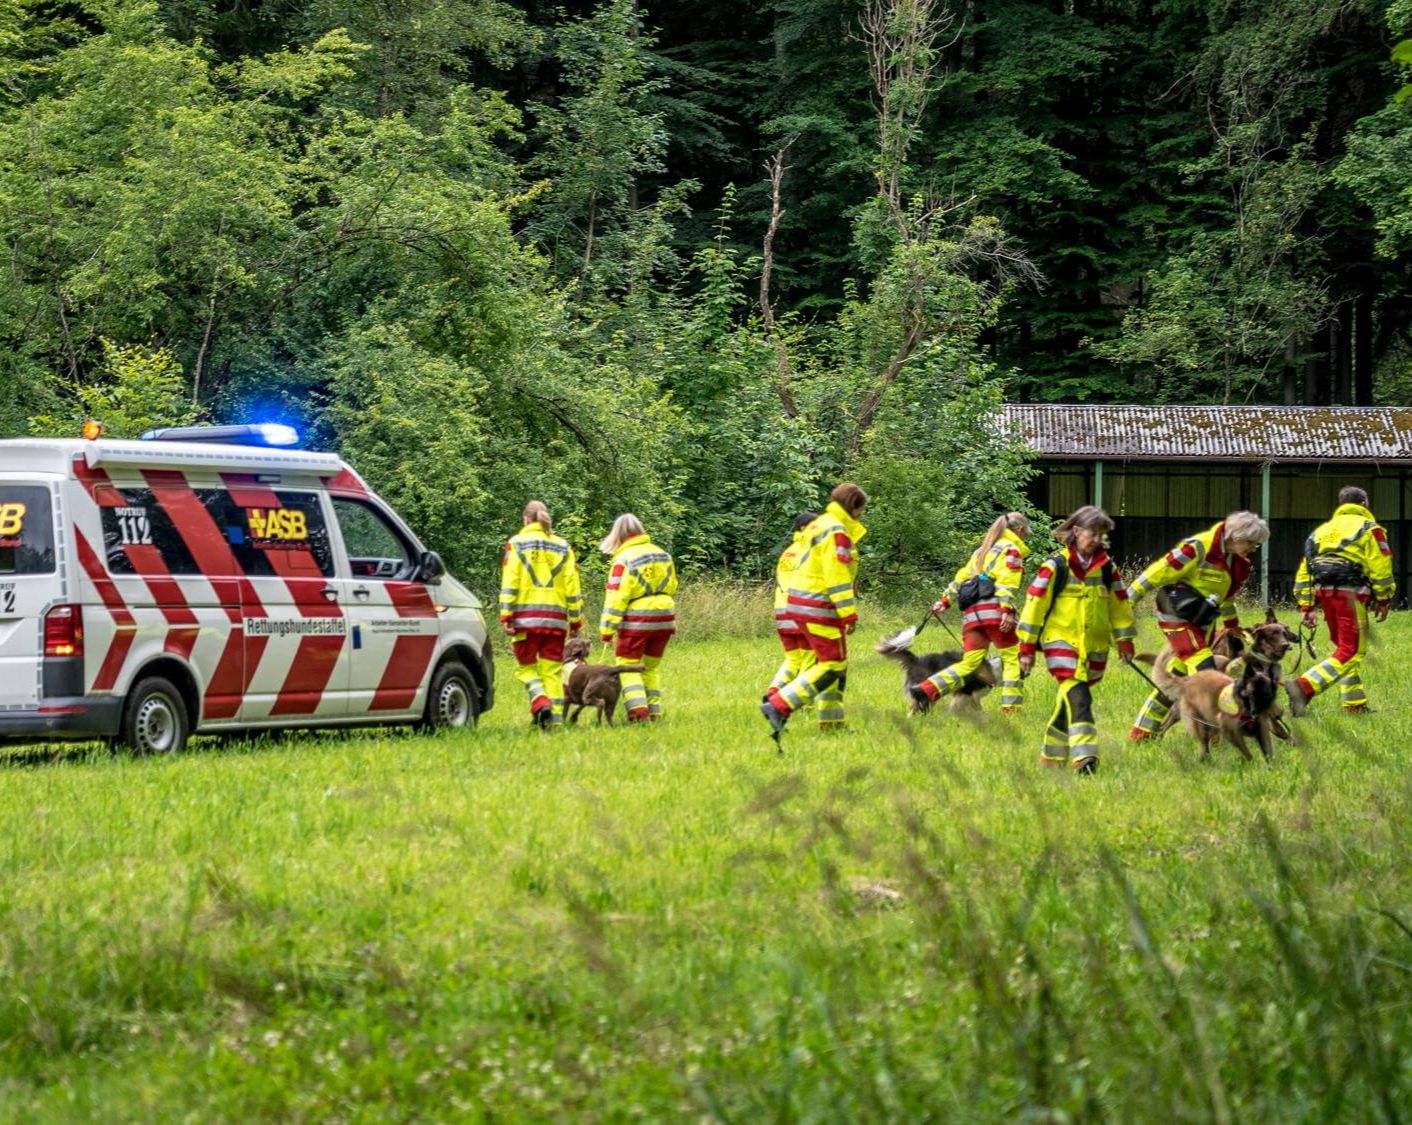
[(540, 603), (985, 589), (1077, 606), (821, 599), (1347, 565), (797, 653), (1196, 584), (639, 612)]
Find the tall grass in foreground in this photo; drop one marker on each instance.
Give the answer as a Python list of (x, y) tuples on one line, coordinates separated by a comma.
[(911, 920)]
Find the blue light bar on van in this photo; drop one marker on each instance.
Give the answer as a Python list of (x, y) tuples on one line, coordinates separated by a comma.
[(272, 435)]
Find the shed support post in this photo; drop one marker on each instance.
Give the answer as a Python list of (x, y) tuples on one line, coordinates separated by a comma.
[(1265, 550), (1098, 484)]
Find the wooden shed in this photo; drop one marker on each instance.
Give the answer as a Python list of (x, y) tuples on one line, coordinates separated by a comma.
[(1165, 471)]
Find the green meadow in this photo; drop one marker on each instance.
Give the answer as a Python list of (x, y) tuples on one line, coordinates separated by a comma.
[(911, 920)]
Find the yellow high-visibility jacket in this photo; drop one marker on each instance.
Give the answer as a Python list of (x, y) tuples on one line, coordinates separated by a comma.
[(1201, 562), (539, 582), (1091, 611), (1004, 564), (1353, 534), (788, 560), (820, 589), (638, 597)]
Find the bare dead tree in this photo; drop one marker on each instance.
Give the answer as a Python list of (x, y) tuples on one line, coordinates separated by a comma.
[(776, 167)]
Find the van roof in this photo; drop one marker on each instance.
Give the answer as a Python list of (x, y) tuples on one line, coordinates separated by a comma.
[(45, 455)]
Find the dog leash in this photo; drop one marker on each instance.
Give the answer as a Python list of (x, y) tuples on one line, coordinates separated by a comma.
[(1133, 664)]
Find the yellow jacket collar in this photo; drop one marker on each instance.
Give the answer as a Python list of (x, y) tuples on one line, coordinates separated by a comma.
[(1008, 536), (635, 541), (1354, 510), (855, 530), (535, 526)]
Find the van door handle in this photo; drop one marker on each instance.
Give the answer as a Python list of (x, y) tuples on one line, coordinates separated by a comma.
[(362, 592), (330, 593)]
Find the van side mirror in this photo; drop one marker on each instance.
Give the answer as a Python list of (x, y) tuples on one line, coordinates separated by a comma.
[(430, 568)]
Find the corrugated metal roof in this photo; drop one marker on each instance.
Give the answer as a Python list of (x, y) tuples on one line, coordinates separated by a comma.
[(1215, 433)]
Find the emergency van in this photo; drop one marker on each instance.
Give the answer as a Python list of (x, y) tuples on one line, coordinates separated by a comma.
[(158, 588)]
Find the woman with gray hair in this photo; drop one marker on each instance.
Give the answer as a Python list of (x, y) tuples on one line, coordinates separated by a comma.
[(639, 612), (1196, 583)]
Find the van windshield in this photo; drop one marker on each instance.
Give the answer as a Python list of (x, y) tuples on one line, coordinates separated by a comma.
[(26, 529)]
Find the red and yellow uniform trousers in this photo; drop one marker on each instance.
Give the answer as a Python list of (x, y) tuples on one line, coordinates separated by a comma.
[(1201, 562), (815, 671), (1075, 610), (639, 619), (1346, 614), (540, 603)]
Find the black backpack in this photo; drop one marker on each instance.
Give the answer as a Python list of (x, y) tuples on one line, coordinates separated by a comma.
[(1331, 570)]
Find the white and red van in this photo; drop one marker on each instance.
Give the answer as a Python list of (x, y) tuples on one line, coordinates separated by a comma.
[(153, 589)]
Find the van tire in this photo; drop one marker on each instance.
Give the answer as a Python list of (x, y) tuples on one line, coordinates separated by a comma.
[(452, 700), (154, 718)]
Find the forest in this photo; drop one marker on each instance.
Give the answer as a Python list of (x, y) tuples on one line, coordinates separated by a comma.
[(698, 260)]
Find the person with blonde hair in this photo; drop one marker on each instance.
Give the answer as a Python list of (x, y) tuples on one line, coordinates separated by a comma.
[(540, 603), (1196, 583), (984, 589), (1077, 607), (639, 612), (821, 599)]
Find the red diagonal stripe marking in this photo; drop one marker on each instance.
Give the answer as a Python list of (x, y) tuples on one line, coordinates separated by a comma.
[(122, 617), (316, 658), (404, 672)]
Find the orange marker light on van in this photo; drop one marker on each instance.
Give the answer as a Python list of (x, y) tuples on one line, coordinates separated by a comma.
[(92, 430)]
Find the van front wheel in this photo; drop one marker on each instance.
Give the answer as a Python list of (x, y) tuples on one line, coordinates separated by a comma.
[(155, 720), (451, 699)]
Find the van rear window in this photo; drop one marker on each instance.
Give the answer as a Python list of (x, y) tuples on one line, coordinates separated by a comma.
[(26, 529)]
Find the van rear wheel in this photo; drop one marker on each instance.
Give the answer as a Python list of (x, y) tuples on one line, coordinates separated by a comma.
[(155, 719), (452, 701)]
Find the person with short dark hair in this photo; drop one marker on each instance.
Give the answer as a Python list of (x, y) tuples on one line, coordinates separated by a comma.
[(1077, 606), (1347, 565), (821, 599)]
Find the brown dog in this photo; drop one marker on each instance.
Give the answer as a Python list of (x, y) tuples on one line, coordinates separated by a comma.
[(1214, 705), (1266, 643), (592, 685)]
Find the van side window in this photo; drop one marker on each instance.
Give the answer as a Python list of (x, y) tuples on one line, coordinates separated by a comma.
[(376, 549), (288, 539), (143, 535), (26, 529)]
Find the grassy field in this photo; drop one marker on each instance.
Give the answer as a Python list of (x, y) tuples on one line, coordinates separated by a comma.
[(912, 920)]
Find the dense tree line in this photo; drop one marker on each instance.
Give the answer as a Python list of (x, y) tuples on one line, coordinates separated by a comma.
[(696, 258)]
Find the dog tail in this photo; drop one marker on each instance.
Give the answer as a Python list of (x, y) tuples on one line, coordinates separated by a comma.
[(1168, 683), (895, 648), (619, 669)]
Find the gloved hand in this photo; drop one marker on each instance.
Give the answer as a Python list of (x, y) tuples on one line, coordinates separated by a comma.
[(1380, 610), (1308, 619), (574, 628), (941, 605), (1026, 663), (1126, 651)]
